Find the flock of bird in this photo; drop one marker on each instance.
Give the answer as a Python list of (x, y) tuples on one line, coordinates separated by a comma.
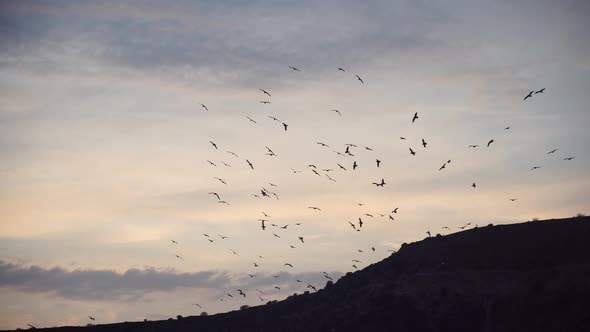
[(285, 231)]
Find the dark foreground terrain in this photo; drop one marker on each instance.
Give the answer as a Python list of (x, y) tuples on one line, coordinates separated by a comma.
[(533, 276)]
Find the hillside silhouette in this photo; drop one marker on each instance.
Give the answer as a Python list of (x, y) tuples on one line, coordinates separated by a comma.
[(532, 276)]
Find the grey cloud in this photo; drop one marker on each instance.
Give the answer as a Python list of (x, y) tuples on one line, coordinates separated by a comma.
[(103, 284), (134, 283)]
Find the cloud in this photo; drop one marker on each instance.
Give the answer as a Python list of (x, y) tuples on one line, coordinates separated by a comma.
[(103, 284), (109, 285)]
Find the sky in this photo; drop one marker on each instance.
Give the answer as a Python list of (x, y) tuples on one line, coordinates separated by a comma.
[(104, 144)]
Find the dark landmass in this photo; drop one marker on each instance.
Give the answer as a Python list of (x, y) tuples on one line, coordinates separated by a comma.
[(533, 276)]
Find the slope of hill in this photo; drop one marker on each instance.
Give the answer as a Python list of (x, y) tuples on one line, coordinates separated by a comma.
[(533, 276)]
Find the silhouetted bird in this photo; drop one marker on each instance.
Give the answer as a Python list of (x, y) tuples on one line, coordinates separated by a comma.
[(402, 138), (250, 164), (276, 235), (277, 287), (341, 69), (264, 102), (178, 257), (337, 111), (301, 239), (473, 185), (223, 202), (415, 117), (424, 143), (197, 305), (360, 79), (412, 152), (323, 144), (535, 167), (91, 318), (507, 128), (353, 225), (251, 120), (285, 126), (341, 167), (265, 92), (205, 107), (294, 69), (428, 232), (263, 225), (490, 142), (241, 293), (569, 158), (529, 95), (288, 264), (174, 242), (513, 199), (354, 165), (274, 119), (382, 184), (214, 145), (474, 146), (212, 163), (540, 91), (220, 180), (270, 152), (312, 287), (552, 151), (442, 167), (314, 208), (378, 162), (360, 223)]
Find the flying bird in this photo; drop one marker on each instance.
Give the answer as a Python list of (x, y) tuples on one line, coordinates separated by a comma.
[(233, 153), (294, 69), (251, 120), (265, 102), (215, 194), (288, 264), (381, 184), (314, 208), (474, 146), (265, 92), (205, 107), (490, 142), (274, 119), (442, 167), (241, 293), (178, 257), (529, 95), (354, 165), (91, 318), (250, 164), (540, 91), (277, 287), (220, 180), (214, 145), (507, 128), (424, 143), (378, 162), (412, 152), (270, 152), (323, 144), (513, 199), (341, 167), (285, 126), (569, 158), (212, 163), (174, 242), (415, 117), (473, 185), (341, 69), (301, 239), (552, 151), (337, 111), (360, 79), (352, 225), (535, 167)]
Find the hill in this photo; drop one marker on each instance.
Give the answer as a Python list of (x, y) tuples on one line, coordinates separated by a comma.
[(533, 276)]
